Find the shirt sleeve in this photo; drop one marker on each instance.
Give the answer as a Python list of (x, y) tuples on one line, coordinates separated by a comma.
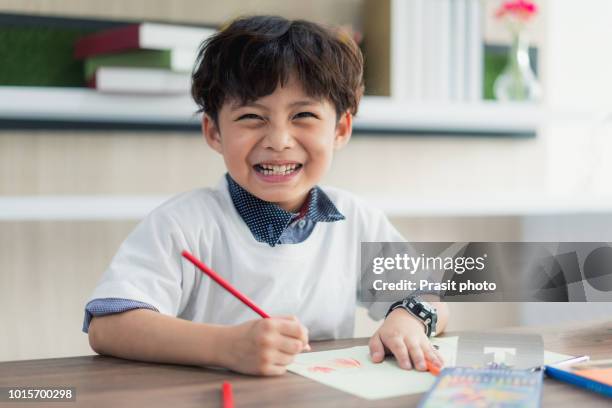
[(386, 242), (103, 307), (147, 271), (377, 229)]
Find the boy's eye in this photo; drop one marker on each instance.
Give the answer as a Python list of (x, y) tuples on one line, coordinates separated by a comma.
[(305, 115), (249, 116)]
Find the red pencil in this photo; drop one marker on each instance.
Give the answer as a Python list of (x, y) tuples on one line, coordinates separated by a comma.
[(227, 395), (226, 285)]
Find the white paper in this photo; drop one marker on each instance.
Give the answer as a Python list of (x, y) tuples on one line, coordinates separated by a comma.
[(366, 379), (351, 370)]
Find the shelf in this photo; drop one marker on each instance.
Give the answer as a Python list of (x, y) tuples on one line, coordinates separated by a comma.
[(93, 208), (87, 105), (478, 118), (86, 108), (75, 208)]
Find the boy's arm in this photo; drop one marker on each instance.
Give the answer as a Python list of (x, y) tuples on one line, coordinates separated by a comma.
[(147, 335), (261, 346)]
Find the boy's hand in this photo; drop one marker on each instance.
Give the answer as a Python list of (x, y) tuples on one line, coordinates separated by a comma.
[(404, 335), (264, 346)]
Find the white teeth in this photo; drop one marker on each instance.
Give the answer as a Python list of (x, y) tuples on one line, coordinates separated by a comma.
[(270, 169)]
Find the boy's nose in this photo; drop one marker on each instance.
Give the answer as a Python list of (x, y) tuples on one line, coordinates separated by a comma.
[(278, 139)]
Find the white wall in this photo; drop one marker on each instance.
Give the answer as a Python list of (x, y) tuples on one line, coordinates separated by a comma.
[(577, 55)]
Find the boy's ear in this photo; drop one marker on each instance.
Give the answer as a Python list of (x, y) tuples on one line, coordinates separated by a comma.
[(344, 130), (211, 133)]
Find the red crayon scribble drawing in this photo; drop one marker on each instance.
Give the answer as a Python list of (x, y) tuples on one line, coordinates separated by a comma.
[(346, 363), (335, 364), (320, 369)]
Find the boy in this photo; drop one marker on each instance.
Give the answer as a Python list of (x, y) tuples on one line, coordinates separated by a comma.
[(277, 98)]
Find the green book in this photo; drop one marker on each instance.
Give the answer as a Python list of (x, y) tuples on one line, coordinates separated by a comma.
[(40, 56), (179, 60)]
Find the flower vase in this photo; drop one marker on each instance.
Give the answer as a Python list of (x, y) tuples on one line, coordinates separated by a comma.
[(517, 82)]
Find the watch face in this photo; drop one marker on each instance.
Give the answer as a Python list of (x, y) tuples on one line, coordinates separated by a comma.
[(429, 307)]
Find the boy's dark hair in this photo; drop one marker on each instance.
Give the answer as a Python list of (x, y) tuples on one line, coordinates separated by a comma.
[(250, 57)]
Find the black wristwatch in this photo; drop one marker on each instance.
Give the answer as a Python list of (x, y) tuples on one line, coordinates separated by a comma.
[(420, 309)]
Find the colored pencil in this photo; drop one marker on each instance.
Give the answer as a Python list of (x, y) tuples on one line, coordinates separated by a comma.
[(569, 361), (227, 395), (225, 284), (432, 368)]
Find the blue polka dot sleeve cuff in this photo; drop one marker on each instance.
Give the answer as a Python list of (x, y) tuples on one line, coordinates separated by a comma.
[(106, 306)]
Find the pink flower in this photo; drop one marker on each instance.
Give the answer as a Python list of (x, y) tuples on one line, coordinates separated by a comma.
[(522, 10)]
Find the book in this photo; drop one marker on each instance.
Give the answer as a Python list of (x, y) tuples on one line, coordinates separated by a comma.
[(40, 55), (152, 36), (494, 387), (401, 54), (593, 375), (443, 50), (416, 39), (424, 50), (428, 56), (180, 60), (140, 80), (474, 51), (393, 46), (458, 44)]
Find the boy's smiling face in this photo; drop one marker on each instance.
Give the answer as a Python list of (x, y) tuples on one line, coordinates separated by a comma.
[(279, 146)]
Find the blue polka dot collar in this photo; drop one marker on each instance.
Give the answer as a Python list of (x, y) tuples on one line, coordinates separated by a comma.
[(267, 221)]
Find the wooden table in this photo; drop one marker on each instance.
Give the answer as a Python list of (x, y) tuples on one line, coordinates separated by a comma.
[(105, 381)]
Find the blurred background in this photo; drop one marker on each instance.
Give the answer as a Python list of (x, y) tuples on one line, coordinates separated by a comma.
[(481, 122)]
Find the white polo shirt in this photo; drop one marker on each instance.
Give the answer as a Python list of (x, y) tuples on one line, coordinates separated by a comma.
[(316, 280)]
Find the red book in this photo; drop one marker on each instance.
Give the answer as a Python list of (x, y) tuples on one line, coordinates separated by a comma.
[(141, 36)]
